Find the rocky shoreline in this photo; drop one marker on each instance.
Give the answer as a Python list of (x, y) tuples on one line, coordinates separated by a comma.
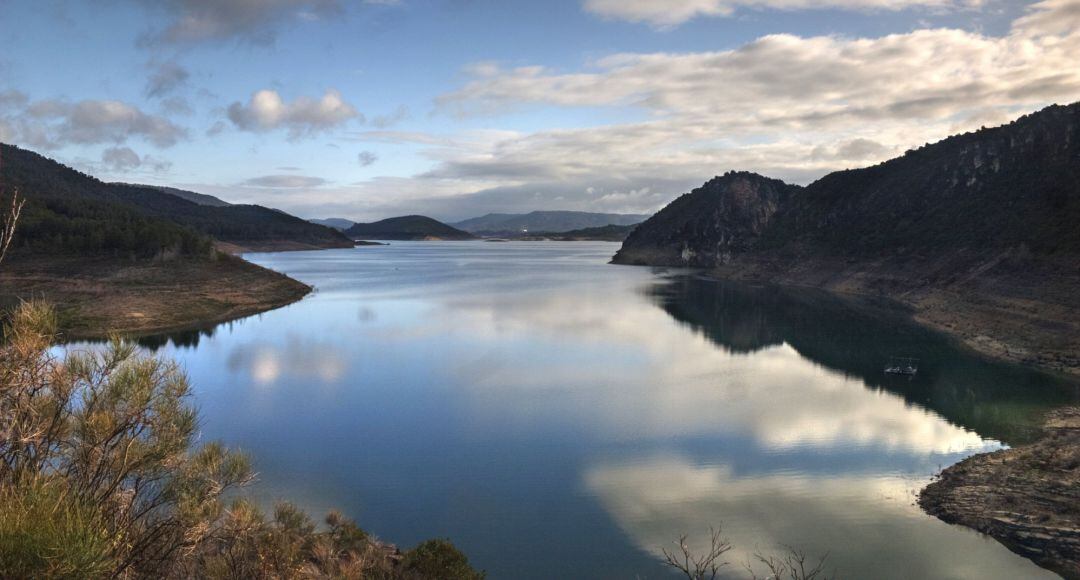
[(1027, 498)]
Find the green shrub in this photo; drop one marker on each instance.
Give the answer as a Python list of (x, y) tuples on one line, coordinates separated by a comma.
[(440, 559)]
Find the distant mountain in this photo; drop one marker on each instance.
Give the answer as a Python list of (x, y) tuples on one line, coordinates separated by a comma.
[(71, 212), (410, 227), (544, 221), (980, 233), (600, 234), (340, 224), (199, 198)]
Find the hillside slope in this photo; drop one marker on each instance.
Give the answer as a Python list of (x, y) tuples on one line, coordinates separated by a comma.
[(410, 227), (134, 260), (199, 198), (63, 200), (979, 232)]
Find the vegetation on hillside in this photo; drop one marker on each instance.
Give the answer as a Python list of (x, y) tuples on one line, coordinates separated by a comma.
[(1013, 188), (73, 213), (505, 224), (409, 227)]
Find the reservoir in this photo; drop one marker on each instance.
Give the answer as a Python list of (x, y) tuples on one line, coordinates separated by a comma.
[(559, 417)]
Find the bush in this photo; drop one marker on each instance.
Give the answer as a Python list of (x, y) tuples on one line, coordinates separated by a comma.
[(440, 559), (101, 476)]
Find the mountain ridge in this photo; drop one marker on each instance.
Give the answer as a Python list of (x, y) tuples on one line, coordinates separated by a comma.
[(977, 232), (88, 215)]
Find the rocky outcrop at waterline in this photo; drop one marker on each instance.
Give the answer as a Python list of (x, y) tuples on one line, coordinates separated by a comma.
[(1027, 498)]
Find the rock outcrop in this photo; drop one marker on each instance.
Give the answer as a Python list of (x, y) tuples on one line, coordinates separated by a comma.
[(1027, 498), (709, 225)]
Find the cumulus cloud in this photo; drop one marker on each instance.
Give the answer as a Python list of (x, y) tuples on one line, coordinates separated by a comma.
[(366, 158), (254, 21), (787, 106), (125, 160), (285, 181), (304, 117), (670, 13), (54, 123), (120, 158), (165, 77)]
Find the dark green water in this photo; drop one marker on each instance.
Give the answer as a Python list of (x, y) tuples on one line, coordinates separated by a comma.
[(558, 417)]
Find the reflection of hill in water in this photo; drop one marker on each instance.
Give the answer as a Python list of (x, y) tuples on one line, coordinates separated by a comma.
[(188, 338), (857, 338)]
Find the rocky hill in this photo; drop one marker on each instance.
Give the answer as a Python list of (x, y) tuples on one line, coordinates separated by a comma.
[(409, 227), (979, 232)]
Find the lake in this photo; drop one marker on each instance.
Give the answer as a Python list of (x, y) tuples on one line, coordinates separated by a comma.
[(559, 417)]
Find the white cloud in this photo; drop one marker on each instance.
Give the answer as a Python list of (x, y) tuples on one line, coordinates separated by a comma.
[(255, 21), (120, 158), (126, 160), (670, 13), (54, 123), (303, 117), (788, 106)]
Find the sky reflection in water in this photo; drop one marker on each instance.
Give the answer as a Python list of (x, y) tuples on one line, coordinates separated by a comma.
[(559, 417)]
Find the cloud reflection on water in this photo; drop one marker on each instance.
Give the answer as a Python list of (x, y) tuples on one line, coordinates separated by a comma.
[(862, 521)]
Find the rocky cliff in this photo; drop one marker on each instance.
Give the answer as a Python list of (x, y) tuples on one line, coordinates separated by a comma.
[(709, 225)]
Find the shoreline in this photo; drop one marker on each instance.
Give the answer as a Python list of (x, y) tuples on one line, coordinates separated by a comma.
[(1027, 497), (1029, 317), (97, 298)]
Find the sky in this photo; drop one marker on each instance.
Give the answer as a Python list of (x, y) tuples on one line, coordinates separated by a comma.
[(366, 109)]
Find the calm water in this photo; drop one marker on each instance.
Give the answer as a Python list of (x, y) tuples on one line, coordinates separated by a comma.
[(558, 417)]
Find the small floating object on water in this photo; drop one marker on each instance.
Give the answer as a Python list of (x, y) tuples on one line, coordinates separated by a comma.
[(900, 365)]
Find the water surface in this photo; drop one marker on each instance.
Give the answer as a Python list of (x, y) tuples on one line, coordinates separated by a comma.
[(558, 417)]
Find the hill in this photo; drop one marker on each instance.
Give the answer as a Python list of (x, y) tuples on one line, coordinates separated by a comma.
[(133, 259), (410, 227), (609, 233), (504, 224), (69, 211), (340, 224), (977, 232), (199, 198)]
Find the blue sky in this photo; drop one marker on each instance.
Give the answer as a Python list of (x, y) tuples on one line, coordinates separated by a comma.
[(454, 108)]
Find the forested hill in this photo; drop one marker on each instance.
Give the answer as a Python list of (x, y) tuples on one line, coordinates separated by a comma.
[(544, 221), (71, 212), (968, 198), (409, 227)]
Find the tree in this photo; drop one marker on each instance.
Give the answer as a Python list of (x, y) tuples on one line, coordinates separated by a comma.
[(792, 565)]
